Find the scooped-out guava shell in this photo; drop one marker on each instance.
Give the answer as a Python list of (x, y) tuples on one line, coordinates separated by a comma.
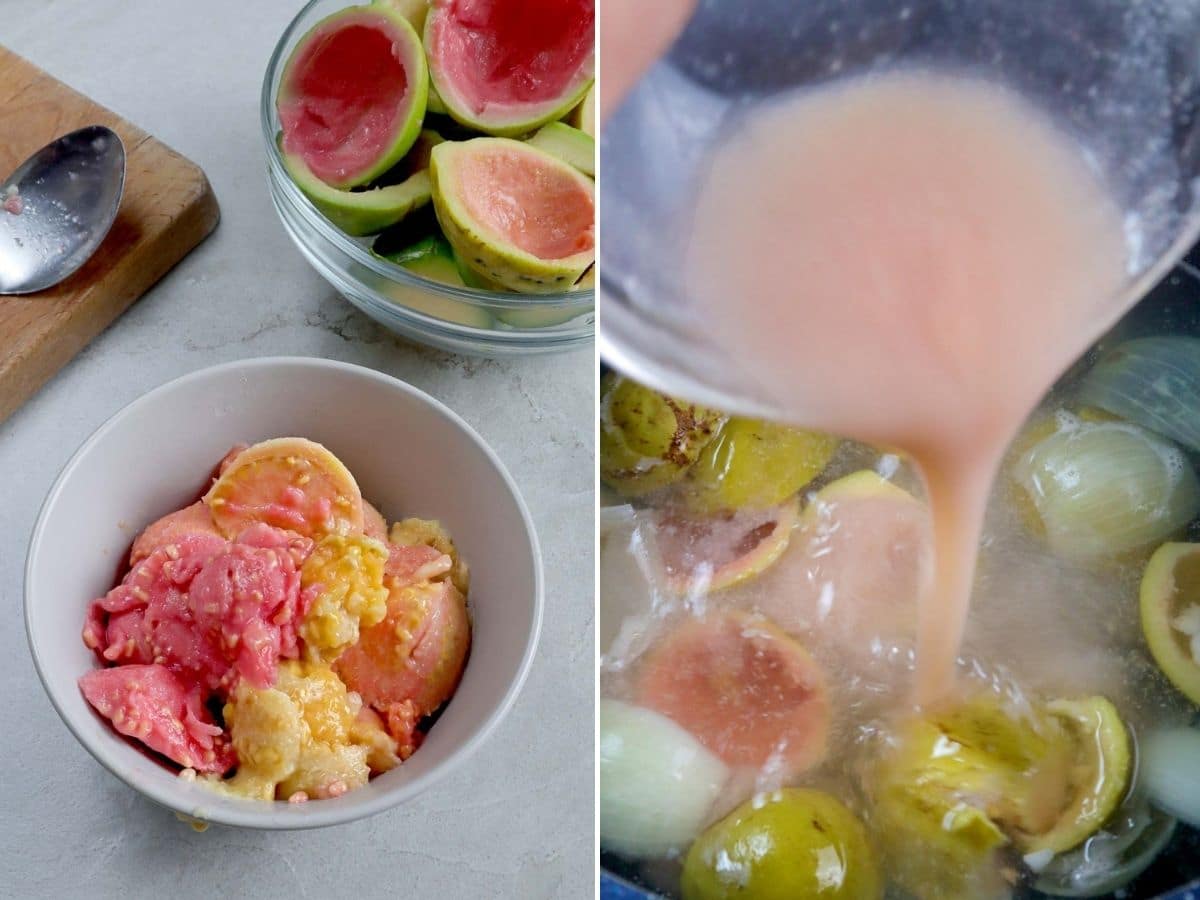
[(416, 11), (507, 67), (929, 793), (746, 690), (571, 145), (352, 94), (757, 464), (959, 783), (361, 212), (718, 552), (435, 106), (648, 439), (290, 483), (1099, 773), (516, 215), (584, 115), (853, 569)]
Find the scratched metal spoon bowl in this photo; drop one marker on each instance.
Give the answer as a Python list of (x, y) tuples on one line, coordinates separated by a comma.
[(57, 207)]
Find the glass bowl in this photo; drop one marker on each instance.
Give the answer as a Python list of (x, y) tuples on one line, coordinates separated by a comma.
[(1121, 78), (458, 319)]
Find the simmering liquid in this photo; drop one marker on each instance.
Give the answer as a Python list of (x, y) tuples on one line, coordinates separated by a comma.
[(908, 259)]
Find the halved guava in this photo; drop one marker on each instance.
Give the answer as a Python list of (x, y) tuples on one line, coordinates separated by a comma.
[(1056, 771), (715, 552), (569, 144), (515, 214), (352, 95), (746, 690), (1170, 604), (290, 483), (473, 279), (505, 67)]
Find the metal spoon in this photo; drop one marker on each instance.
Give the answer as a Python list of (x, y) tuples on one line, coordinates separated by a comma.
[(56, 208)]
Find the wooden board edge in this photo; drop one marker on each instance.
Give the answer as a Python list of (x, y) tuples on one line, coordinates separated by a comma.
[(28, 375)]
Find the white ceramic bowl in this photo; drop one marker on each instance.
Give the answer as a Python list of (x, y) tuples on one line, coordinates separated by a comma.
[(411, 456)]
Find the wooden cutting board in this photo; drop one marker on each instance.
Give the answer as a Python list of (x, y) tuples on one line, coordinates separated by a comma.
[(168, 209)]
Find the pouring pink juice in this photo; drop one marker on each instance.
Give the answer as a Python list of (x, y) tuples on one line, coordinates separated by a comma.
[(929, 254), (911, 259)]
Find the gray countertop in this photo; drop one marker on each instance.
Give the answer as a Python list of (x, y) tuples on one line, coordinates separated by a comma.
[(517, 819)]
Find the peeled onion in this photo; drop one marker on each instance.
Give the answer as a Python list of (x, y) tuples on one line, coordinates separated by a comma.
[(1171, 772), (1153, 382), (657, 782), (1107, 487)]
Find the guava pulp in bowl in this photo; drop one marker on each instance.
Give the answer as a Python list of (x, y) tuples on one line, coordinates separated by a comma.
[(462, 317), (265, 641), (118, 482)]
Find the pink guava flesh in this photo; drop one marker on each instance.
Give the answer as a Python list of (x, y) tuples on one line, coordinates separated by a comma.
[(198, 612), (510, 53), (150, 703), (208, 610), (410, 677), (408, 565), (344, 97), (190, 520), (543, 210)]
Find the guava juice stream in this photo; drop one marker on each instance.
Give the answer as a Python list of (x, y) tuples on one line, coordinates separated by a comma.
[(921, 256)]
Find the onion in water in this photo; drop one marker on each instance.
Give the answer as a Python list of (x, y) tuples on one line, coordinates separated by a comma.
[(1171, 772), (1103, 488), (657, 782), (1154, 382)]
